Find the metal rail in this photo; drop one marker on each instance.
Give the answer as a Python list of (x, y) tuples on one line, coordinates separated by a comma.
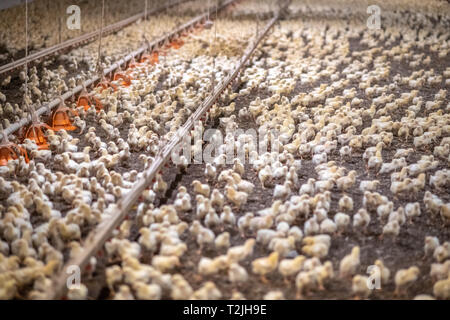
[(83, 39), (155, 44), (96, 239)]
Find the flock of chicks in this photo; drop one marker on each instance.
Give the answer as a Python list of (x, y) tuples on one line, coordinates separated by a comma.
[(48, 22), (49, 204), (56, 76), (265, 226)]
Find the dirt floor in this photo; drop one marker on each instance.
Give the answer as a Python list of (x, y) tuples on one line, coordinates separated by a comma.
[(404, 251)]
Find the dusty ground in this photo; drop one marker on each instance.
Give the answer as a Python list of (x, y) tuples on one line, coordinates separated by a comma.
[(402, 252)]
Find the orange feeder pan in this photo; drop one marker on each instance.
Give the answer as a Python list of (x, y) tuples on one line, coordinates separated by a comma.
[(11, 151), (152, 58), (133, 64), (125, 79), (177, 44), (61, 120), (105, 84), (86, 101), (35, 132)]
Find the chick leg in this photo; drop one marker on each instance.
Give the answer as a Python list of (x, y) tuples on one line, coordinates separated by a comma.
[(321, 287), (397, 291), (299, 295), (264, 279)]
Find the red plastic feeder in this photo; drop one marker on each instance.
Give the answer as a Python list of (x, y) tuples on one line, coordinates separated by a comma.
[(105, 84), (10, 151), (177, 44), (86, 101), (152, 58), (133, 64), (61, 119), (125, 78), (36, 132)]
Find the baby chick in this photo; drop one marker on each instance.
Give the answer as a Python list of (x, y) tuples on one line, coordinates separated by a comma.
[(124, 293), (238, 253), (350, 263), (441, 289), (222, 241), (210, 172), (431, 243), (385, 273), (289, 267), (345, 204), (265, 265), (405, 278), (237, 273), (217, 199), (412, 210), (200, 188), (360, 287), (227, 216), (361, 219), (282, 191), (147, 291), (160, 185), (238, 198)]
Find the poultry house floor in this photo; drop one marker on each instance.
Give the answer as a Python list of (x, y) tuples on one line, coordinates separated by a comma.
[(402, 252)]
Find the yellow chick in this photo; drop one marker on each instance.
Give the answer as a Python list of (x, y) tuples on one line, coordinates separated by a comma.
[(222, 241), (124, 293), (217, 199), (238, 198), (160, 185), (345, 204), (441, 289), (164, 264), (405, 278), (114, 275), (385, 273), (360, 287), (265, 265), (200, 188), (361, 219), (431, 243), (237, 273), (345, 183), (207, 266), (350, 263), (265, 175), (289, 267), (392, 228), (181, 290), (208, 291), (77, 293), (239, 253)]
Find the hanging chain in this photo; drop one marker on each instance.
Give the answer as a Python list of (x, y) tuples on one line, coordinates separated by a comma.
[(215, 40), (146, 8), (99, 68), (26, 52)]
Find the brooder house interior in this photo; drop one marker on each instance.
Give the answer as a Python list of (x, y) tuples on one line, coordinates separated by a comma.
[(224, 149)]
